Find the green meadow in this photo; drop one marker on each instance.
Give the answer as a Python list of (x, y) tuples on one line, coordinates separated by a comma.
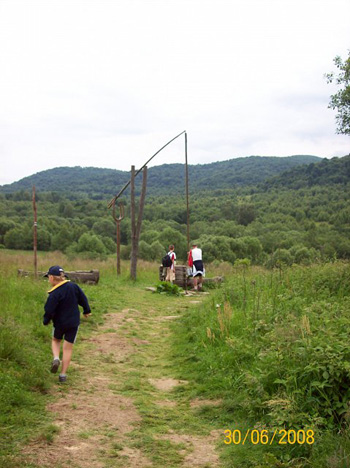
[(266, 355)]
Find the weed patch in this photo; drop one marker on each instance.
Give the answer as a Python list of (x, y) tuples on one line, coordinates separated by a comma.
[(168, 288), (274, 347)]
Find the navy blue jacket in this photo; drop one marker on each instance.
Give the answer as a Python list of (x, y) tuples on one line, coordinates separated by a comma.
[(62, 305)]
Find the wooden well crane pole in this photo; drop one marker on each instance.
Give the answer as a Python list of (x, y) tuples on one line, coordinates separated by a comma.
[(110, 204), (35, 235), (136, 229), (118, 220), (187, 196)]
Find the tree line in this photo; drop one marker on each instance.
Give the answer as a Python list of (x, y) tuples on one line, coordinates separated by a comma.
[(96, 183), (266, 227)]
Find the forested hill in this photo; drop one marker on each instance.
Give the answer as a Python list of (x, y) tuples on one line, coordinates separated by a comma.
[(104, 183), (325, 172)]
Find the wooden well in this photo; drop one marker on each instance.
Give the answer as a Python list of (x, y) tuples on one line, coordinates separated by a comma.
[(181, 278)]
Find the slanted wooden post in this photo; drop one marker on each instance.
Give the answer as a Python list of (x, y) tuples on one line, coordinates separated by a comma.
[(187, 206), (133, 255), (142, 203), (35, 236), (136, 227), (187, 197), (118, 220)]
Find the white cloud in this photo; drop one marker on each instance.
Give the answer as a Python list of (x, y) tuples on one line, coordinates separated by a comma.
[(102, 83)]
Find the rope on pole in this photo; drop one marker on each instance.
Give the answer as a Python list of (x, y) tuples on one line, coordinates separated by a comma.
[(110, 204)]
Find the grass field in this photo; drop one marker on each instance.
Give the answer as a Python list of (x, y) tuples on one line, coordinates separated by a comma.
[(157, 379)]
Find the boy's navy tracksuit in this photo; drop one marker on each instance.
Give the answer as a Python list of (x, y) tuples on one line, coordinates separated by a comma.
[(62, 308)]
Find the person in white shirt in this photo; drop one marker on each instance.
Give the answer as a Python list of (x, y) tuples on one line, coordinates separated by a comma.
[(170, 271), (198, 271)]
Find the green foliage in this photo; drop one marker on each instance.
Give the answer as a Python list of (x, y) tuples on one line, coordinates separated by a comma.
[(62, 238), (90, 245), (23, 348), (217, 248), (170, 236), (20, 238), (109, 244), (304, 214), (145, 251), (245, 213), (280, 258), (341, 100), (44, 239), (125, 252), (275, 347), (168, 288), (149, 236), (5, 225), (302, 255), (326, 172), (105, 227), (153, 253), (103, 183)]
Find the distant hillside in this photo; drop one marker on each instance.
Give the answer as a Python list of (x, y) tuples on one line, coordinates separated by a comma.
[(102, 183), (325, 172)]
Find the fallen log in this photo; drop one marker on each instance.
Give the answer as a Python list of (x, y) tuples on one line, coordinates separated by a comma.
[(81, 276), (78, 276)]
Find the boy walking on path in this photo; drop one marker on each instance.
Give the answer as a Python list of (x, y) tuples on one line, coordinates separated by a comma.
[(62, 308)]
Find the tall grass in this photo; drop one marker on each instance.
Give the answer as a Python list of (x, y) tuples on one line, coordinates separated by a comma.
[(23, 344), (25, 352), (275, 346)]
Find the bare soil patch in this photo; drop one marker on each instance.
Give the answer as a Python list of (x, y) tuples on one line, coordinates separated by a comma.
[(84, 419), (92, 417), (94, 420), (113, 345), (202, 448), (166, 384), (135, 458)]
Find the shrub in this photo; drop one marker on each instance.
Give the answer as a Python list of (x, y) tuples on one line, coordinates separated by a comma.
[(89, 246), (111, 247), (90, 243), (157, 251), (19, 238), (145, 251), (168, 288), (125, 251), (218, 248), (279, 259)]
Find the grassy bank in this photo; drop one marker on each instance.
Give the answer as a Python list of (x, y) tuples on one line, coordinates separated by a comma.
[(274, 346), (25, 353), (270, 350), (164, 430)]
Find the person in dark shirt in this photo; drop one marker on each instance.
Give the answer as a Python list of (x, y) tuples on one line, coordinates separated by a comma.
[(62, 307)]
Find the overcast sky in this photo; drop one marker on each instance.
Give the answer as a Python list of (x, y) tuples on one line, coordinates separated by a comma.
[(107, 83)]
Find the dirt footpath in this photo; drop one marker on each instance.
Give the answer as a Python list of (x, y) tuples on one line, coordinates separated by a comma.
[(97, 423)]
